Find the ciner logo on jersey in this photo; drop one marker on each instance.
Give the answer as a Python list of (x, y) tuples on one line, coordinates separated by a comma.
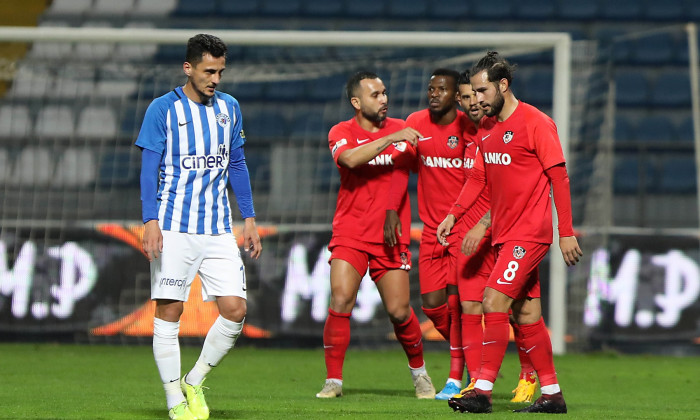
[(204, 162), (497, 158), (445, 163)]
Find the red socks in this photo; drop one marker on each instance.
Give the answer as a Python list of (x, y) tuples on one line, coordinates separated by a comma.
[(441, 319), (539, 347), (472, 336), (496, 334), (336, 338), (456, 353), (526, 368), (411, 338)]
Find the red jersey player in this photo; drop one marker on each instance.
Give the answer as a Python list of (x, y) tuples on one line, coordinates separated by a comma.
[(366, 150), (439, 163), (476, 261), (520, 155)]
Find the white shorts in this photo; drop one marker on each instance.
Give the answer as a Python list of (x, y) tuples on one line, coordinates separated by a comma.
[(216, 258)]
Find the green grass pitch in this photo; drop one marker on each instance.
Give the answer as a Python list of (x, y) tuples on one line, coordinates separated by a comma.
[(51, 381)]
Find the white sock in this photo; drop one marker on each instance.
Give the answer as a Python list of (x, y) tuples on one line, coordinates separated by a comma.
[(454, 381), (484, 385), (166, 351), (333, 380), (220, 339), (418, 371), (551, 389)]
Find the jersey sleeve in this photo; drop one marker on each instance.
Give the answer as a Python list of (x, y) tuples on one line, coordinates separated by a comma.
[(471, 189), (338, 141), (545, 141), (237, 135), (153, 133)]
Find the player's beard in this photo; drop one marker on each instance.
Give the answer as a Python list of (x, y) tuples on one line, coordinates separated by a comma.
[(375, 117), (497, 105), (437, 114)]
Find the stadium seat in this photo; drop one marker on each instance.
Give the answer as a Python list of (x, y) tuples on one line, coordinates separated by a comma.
[(449, 9), (97, 122), (624, 130), (196, 9), (621, 10), (322, 8), (15, 121), (667, 10), (288, 90), (69, 7), (75, 168), (47, 50), (326, 88), (308, 126), (678, 175), (631, 175), (407, 9), (578, 10), (30, 82), (246, 91), (672, 88), (55, 121), (286, 8), (366, 8), (94, 52), (73, 82), (655, 129), (111, 8), (34, 166), (5, 166), (632, 88), (136, 52), (492, 10), (239, 8), (535, 9), (656, 49), (119, 168), (264, 125), (157, 7), (539, 87), (685, 130)]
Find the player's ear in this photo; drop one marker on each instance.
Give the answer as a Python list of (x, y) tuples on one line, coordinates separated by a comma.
[(503, 85), (355, 102), (187, 68)]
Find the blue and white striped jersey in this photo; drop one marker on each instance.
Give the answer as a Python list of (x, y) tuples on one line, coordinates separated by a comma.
[(194, 141)]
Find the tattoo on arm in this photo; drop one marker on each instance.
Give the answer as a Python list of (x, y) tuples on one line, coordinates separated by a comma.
[(486, 219)]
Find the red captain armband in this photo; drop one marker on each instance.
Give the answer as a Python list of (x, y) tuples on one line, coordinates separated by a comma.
[(562, 198)]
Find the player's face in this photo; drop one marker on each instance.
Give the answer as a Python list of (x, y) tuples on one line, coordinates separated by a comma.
[(488, 94), (204, 77), (372, 100), (441, 95), (467, 99)]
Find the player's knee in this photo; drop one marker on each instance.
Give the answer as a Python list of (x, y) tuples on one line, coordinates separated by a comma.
[(400, 314), (235, 313), (170, 311)]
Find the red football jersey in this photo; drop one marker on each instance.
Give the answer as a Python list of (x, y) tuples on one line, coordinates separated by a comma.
[(515, 153), (482, 204), (364, 190), (441, 162)]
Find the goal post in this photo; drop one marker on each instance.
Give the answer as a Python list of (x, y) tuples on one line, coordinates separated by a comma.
[(559, 43)]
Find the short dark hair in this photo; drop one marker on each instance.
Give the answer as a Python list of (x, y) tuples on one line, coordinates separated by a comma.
[(464, 78), (452, 74), (354, 82), (496, 67), (202, 44)]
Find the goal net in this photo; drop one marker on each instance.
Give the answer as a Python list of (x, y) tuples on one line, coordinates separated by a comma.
[(72, 108)]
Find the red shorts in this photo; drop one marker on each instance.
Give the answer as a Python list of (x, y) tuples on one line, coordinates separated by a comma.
[(378, 257), (516, 272), (436, 263), (473, 271)]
